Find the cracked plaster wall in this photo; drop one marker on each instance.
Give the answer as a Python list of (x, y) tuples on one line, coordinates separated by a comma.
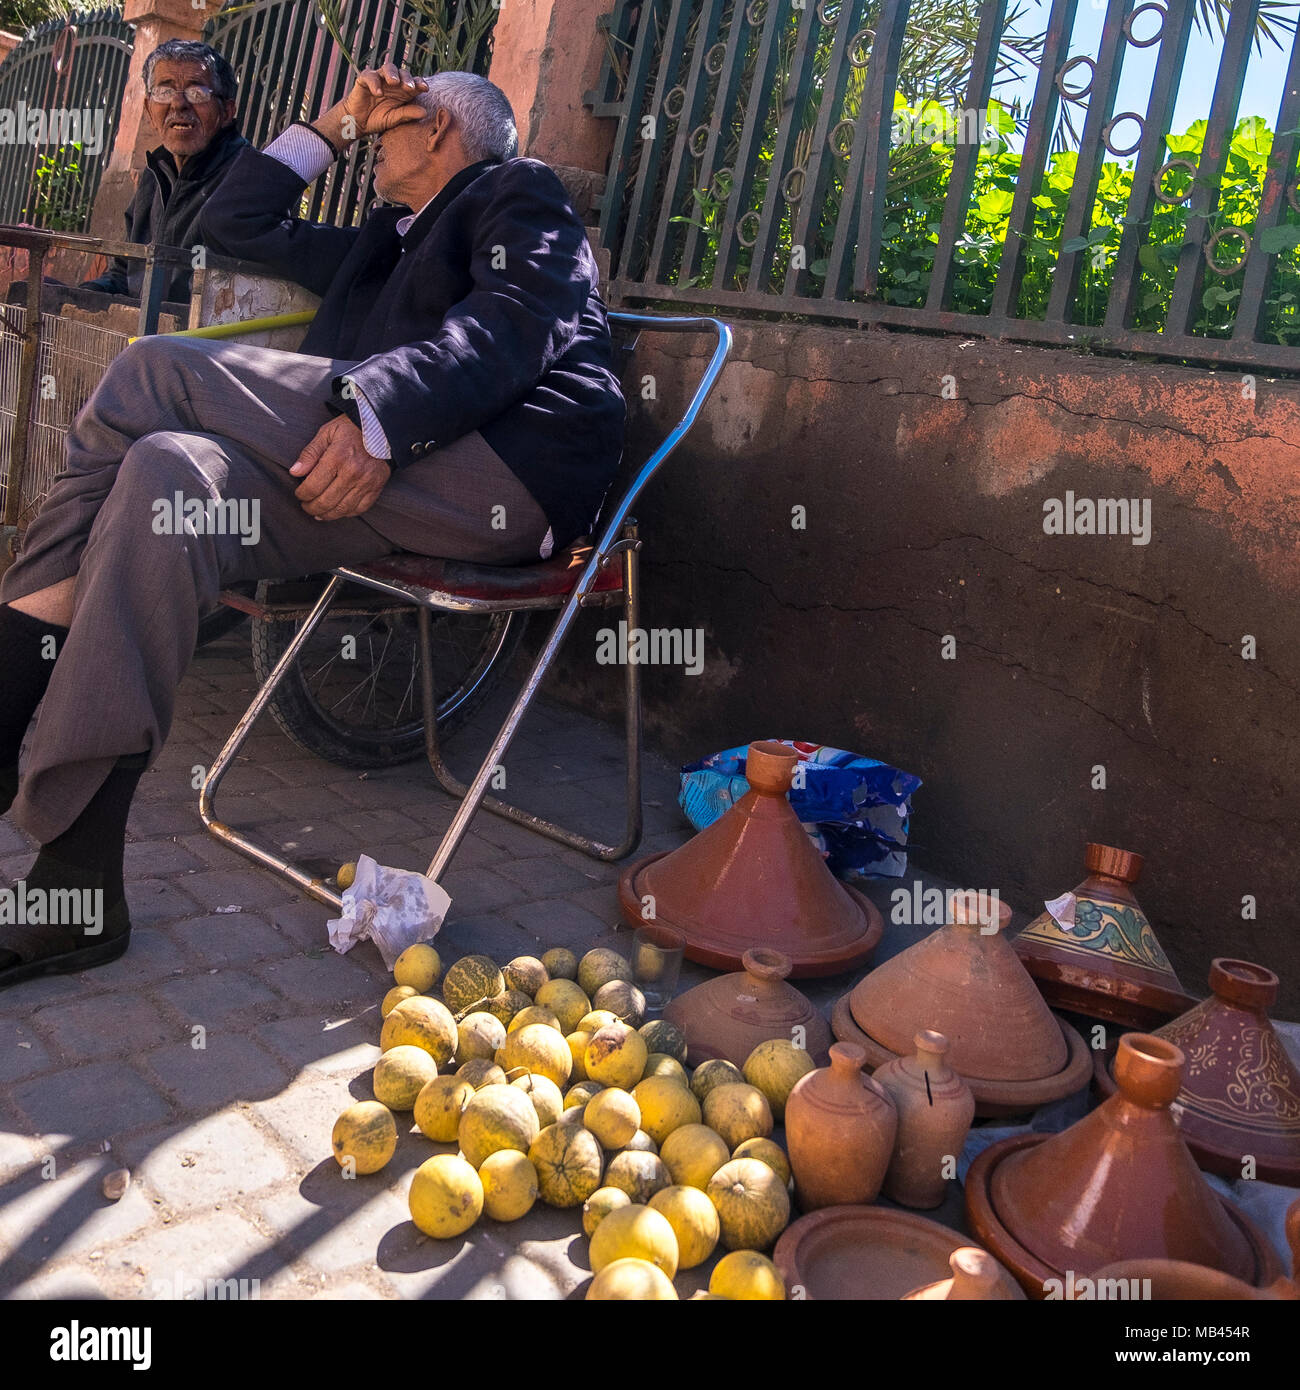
[(925, 519)]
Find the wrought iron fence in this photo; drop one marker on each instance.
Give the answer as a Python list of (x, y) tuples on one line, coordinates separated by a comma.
[(290, 67), (60, 96), (765, 159)]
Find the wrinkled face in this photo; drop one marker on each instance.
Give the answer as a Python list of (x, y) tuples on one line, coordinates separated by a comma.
[(186, 127), (404, 163)]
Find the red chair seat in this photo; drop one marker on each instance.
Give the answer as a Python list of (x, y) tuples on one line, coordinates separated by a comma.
[(554, 578)]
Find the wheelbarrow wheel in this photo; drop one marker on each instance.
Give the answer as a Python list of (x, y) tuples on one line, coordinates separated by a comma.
[(353, 695)]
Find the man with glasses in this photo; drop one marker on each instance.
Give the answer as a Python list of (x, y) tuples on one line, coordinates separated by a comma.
[(190, 102)]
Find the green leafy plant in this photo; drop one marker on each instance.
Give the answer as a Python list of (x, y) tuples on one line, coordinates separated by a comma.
[(56, 201)]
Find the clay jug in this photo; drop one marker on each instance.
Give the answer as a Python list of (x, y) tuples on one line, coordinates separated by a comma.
[(730, 1015), (1094, 952), (1118, 1184), (754, 878), (976, 1277), (1241, 1091), (935, 1109), (840, 1128)]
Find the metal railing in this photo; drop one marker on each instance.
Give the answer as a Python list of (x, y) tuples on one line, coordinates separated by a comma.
[(758, 165), (75, 66), (290, 68)]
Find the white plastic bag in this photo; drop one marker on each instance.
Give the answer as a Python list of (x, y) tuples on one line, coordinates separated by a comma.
[(394, 908)]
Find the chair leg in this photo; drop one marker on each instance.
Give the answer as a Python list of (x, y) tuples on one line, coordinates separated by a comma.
[(237, 840), (473, 795)]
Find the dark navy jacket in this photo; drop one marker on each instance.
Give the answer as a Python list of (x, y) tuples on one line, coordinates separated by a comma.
[(486, 316)]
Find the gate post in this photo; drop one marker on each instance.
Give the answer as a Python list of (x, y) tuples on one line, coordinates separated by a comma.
[(155, 21), (545, 55)]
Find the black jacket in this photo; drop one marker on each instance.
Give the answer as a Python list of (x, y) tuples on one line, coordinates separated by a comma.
[(165, 212), (486, 316)]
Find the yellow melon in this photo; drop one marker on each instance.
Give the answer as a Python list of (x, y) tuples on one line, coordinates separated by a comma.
[(400, 1075), (616, 1056), (478, 1035), (566, 1000), (666, 1105), (595, 1020), (446, 1196), (631, 1281), (394, 997), (534, 1013), (482, 1072), (365, 1137), (438, 1107), (639, 1174), (471, 981), (560, 964), (497, 1117), (568, 1161), (599, 1205), (766, 1151), (774, 1066), (421, 1022), (752, 1201), (694, 1220), (662, 1036), (745, 1274), (419, 966), (613, 1117), (738, 1111), (623, 1000), (634, 1232), (717, 1071), (578, 1051), (509, 1184), (661, 1064), (537, 1048), (526, 974), (544, 1094), (692, 1154), (506, 1004), (599, 967)]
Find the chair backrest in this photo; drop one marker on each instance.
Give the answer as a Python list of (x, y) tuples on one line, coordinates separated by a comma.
[(616, 508)]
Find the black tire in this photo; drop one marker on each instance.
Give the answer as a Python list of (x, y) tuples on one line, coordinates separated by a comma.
[(367, 714)]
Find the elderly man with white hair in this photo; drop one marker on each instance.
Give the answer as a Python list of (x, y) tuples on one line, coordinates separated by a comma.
[(454, 396)]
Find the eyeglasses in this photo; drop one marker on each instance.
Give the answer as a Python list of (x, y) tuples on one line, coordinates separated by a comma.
[(195, 95)]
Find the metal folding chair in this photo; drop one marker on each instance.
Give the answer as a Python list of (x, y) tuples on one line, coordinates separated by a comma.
[(605, 573)]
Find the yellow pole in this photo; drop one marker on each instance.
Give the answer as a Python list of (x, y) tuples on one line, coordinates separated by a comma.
[(242, 326)]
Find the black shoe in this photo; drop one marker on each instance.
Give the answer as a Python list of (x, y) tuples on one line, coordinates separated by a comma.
[(28, 952)]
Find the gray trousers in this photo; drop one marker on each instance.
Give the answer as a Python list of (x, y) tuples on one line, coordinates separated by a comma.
[(207, 420)]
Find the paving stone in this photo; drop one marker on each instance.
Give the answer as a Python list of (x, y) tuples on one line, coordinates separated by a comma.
[(339, 1226), (183, 1256), (479, 890), (58, 1286), (247, 887), (560, 922), (151, 900), (217, 999), (227, 1068), (489, 934), (542, 875), (306, 803), (21, 1051), (17, 1151), (302, 1115), (209, 1162), (152, 954), (158, 858), (302, 922), (105, 1025), (346, 1046), (319, 978), (374, 829), (231, 938), (91, 1102)]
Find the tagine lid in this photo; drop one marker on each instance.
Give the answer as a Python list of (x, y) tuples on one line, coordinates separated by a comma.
[(1241, 1090), (864, 1252), (730, 1015), (754, 878), (964, 981), (1093, 949), (1118, 1184)]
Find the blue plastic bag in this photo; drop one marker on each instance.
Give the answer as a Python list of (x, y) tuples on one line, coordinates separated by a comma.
[(855, 809)]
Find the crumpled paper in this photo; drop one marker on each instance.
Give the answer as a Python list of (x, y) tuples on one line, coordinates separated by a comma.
[(394, 908), (1062, 910)]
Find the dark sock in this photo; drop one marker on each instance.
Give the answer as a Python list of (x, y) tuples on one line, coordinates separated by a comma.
[(27, 673), (87, 856)]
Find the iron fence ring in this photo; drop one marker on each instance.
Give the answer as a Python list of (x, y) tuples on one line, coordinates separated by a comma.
[(715, 187), (1110, 126), (677, 91), (752, 17), (822, 16), (1158, 180), (740, 228), (712, 64), (833, 140), (1216, 266), (1071, 93), (1157, 36), (695, 144), (785, 184), (854, 44)]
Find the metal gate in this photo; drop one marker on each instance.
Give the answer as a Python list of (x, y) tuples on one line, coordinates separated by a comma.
[(61, 89)]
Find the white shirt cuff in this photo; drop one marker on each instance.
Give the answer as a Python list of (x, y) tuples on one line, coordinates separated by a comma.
[(302, 150), (372, 432)]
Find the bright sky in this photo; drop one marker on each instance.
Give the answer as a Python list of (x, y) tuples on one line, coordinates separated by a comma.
[(1261, 94)]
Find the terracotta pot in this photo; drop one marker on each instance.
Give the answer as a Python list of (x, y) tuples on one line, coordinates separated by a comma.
[(1176, 1281), (1241, 1091), (1119, 1184), (839, 1129), (754, 878), (976, 1277), (966, 982), (866, 1253), (1104, 959), (730, 1015), (935, 1109)]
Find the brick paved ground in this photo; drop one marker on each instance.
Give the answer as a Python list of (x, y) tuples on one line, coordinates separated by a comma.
[(229, 1142)]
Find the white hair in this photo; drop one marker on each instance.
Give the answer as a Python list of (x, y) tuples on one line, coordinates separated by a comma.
[(480, 109)]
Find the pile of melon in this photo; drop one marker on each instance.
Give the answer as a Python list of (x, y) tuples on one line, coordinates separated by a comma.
[(545, 1076)]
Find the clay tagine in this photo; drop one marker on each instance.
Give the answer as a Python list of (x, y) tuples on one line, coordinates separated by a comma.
[(754, 878), (966, 982), (1176, 1281), (1241, 1091), (840, 1128), (976, 1277), (729, 1016), (1093, 950), (935, 1110), (857, 1252), (1119, 1184)]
